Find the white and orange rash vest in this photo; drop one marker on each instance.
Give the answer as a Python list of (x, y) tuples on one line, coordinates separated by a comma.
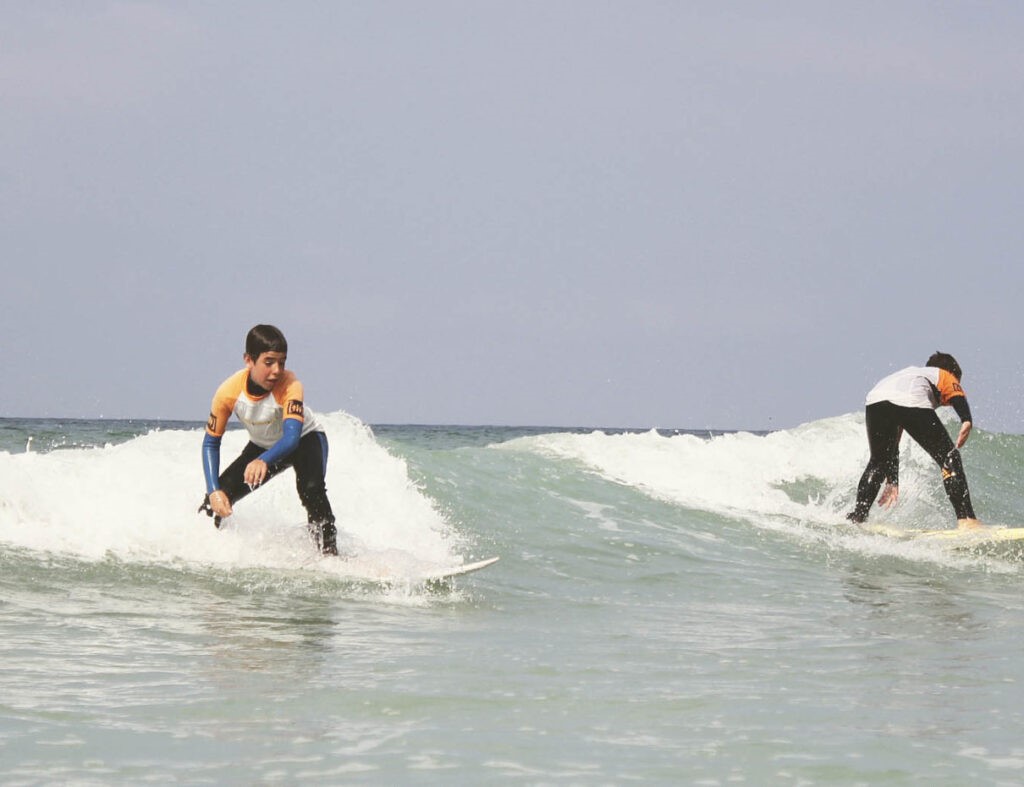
[(921, 386), (263, 417)]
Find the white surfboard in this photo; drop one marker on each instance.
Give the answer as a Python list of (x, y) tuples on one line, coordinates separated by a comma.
[(378, 571), (457, 571)]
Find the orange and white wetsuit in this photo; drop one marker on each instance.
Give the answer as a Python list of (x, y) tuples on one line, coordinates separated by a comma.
[(262, 415), (920, 386), (282, 433)]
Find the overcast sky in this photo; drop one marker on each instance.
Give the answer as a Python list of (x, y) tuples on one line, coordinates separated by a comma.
[(645, 214)]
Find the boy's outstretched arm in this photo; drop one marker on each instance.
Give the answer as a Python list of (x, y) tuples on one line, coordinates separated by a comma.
[(211, 470)]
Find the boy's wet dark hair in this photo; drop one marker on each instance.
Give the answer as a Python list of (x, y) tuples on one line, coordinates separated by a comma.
[(947, 362), (265, 339)]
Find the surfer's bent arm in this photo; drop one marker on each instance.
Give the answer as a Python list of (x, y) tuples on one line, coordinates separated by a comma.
[(965, 432), (959, 404), (291, 432), (289, 441), (952, 393)]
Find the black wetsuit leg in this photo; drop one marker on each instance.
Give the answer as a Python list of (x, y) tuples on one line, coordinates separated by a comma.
[(310, 463), (927, 430), (882, 421)]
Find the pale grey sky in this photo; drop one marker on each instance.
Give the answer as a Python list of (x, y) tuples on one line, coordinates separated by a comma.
[(648, 214)]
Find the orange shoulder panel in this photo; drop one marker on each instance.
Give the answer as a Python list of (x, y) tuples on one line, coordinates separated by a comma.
[(288, 393), (949, 387), (224, 403)]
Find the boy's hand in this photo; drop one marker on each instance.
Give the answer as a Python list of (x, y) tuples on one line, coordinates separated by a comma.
[(889, 496), (220, 504), (255, 473)]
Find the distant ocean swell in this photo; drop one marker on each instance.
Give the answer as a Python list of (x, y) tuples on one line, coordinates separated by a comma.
[(93, 487)]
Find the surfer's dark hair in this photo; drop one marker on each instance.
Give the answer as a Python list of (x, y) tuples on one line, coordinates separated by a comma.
[(265, 339), (947, 362)]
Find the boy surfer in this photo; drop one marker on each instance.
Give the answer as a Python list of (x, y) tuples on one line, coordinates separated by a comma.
[(282, 433), (906, 400)]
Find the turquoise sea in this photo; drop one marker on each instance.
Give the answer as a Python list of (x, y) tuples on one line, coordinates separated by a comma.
[(669, 608)]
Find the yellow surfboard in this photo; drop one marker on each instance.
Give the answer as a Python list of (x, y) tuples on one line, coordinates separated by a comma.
[(955, 537)]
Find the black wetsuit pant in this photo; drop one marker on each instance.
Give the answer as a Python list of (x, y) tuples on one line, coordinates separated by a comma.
[(884, 421), (310, 462)]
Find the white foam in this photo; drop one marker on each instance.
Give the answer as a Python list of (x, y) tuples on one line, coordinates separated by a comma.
[(137, 500), (747, 474)]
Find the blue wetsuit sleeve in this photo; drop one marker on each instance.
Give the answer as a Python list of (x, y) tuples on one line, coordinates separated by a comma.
[(211, 462), (959, 404), (289, 442)]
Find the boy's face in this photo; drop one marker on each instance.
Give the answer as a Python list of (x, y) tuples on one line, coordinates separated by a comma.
[(266, 370)]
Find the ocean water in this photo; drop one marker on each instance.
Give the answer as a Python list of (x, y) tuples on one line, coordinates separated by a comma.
[(674, 608)]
